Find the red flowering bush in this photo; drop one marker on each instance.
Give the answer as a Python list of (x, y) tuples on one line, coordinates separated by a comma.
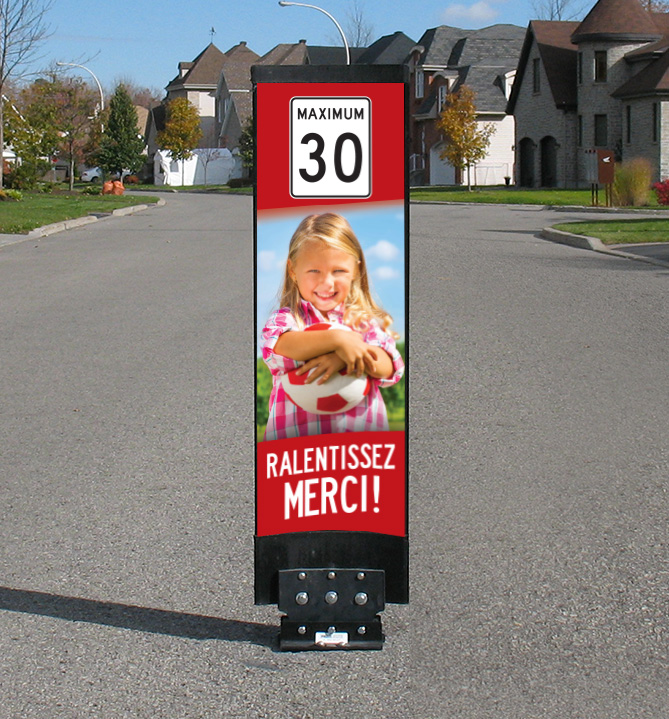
[(662, 192)]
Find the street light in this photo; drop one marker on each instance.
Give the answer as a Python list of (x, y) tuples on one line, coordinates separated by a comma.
[(83, 67), (285, 3)]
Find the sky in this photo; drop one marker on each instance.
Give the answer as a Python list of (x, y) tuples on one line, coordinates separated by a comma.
[(144, 40)]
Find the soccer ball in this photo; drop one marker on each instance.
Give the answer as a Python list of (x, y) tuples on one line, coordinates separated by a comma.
[(339, 394)]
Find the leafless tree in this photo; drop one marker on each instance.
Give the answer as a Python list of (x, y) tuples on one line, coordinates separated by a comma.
[(22, 29), (359, 31), (559, 9)]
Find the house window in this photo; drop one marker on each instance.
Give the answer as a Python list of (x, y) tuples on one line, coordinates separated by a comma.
[(443, 91), (579, 66), (420, 84), (580, 131), (536, 67), (628, 124), (601, 131), (656, 121), (600, 65)]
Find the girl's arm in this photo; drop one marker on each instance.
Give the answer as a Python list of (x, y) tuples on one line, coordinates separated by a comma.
[(349, 346), (382, 366)]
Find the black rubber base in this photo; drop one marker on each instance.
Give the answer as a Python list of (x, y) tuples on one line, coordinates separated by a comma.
[(300, 637), (355, 550)]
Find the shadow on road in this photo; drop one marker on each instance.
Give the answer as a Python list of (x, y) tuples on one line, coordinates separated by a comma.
[(141, 619)]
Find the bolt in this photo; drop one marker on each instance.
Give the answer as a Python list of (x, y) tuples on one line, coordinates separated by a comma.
[(362, 630), (360, 598), (360, 576), (302, 598), (302, 630), (331, 575), (302, 576), (331, 597)]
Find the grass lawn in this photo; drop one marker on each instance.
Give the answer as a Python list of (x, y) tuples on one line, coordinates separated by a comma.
[(620, 232), (36, 210), (224, 189), (508, 195)]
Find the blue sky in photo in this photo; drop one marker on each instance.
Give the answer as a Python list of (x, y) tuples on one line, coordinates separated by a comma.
[(380, 230), (144, 41)]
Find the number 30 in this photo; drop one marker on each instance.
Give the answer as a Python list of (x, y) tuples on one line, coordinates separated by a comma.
[(317, 155)]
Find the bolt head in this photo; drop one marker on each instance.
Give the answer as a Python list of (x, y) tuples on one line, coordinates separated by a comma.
[(331, 597), (361, 598), (302, 630), (362, 630), (301, 598), (332, 575), (302, 576), (360, 576)]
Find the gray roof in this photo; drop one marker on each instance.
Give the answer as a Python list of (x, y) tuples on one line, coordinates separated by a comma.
[(388, 50), (452, 46), (479, 57)]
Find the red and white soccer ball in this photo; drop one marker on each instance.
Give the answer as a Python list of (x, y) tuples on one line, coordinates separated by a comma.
[(339, 394)]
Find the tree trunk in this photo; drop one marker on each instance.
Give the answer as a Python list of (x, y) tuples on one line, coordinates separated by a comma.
[(469, 178), (2, 141), (71, 173)]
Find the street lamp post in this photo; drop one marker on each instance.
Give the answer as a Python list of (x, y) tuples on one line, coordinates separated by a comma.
[(83, 67), (285, 3)]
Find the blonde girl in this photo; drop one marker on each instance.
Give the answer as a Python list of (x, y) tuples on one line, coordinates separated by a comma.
[(326, 280)]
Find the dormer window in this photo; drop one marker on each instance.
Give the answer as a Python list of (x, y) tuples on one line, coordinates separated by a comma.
[(420, 84), (600, 66)]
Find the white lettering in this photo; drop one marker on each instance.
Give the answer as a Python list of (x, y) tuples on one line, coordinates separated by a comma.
[(293, 500), (272, 459), (309, 494), (348, 508)]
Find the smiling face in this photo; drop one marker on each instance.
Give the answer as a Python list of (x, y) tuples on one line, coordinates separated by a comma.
[(323, 275)]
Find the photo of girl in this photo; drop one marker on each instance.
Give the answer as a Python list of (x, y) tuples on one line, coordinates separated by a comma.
[(326, 283)]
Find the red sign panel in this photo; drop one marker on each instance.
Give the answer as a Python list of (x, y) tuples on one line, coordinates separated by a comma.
[(331, 230)]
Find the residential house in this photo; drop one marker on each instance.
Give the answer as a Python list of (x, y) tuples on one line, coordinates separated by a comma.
[(234, 98), (601, 83), (445, 59)]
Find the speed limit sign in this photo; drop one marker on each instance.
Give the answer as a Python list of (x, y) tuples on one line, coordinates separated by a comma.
[(330, 150)]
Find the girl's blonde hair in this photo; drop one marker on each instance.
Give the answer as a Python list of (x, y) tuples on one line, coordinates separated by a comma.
[(333, 231)]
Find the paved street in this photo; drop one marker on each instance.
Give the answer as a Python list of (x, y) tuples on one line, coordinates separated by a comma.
[(539, 411)]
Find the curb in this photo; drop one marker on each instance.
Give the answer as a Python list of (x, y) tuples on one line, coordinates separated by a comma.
[(594, 244), (56, 227)]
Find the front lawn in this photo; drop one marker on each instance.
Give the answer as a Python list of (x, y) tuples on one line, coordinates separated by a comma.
[(38, 209), (620, 232), (508, 196)]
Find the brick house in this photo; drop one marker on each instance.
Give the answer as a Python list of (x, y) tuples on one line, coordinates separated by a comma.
[(601, 83), (444, 59)]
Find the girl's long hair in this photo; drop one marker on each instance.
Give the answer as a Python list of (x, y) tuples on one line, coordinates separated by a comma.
[(334, 231)]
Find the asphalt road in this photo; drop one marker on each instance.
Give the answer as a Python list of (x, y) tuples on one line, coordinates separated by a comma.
[(539, 473)]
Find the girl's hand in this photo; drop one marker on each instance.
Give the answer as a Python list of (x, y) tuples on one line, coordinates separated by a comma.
[(323, 367), (353, 352)]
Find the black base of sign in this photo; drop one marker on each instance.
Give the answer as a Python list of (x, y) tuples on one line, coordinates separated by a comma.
[(331, 608), (330, 550)]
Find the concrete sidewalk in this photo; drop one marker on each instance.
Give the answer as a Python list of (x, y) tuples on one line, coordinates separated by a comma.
[(654, 253)]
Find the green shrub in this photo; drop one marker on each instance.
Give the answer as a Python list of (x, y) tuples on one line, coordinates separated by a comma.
[(92, 190), (631, 186), (9, 194), (26, 175), (236, 182)]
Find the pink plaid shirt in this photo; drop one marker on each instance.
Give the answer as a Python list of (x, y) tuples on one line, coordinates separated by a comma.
[(287, 419)]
